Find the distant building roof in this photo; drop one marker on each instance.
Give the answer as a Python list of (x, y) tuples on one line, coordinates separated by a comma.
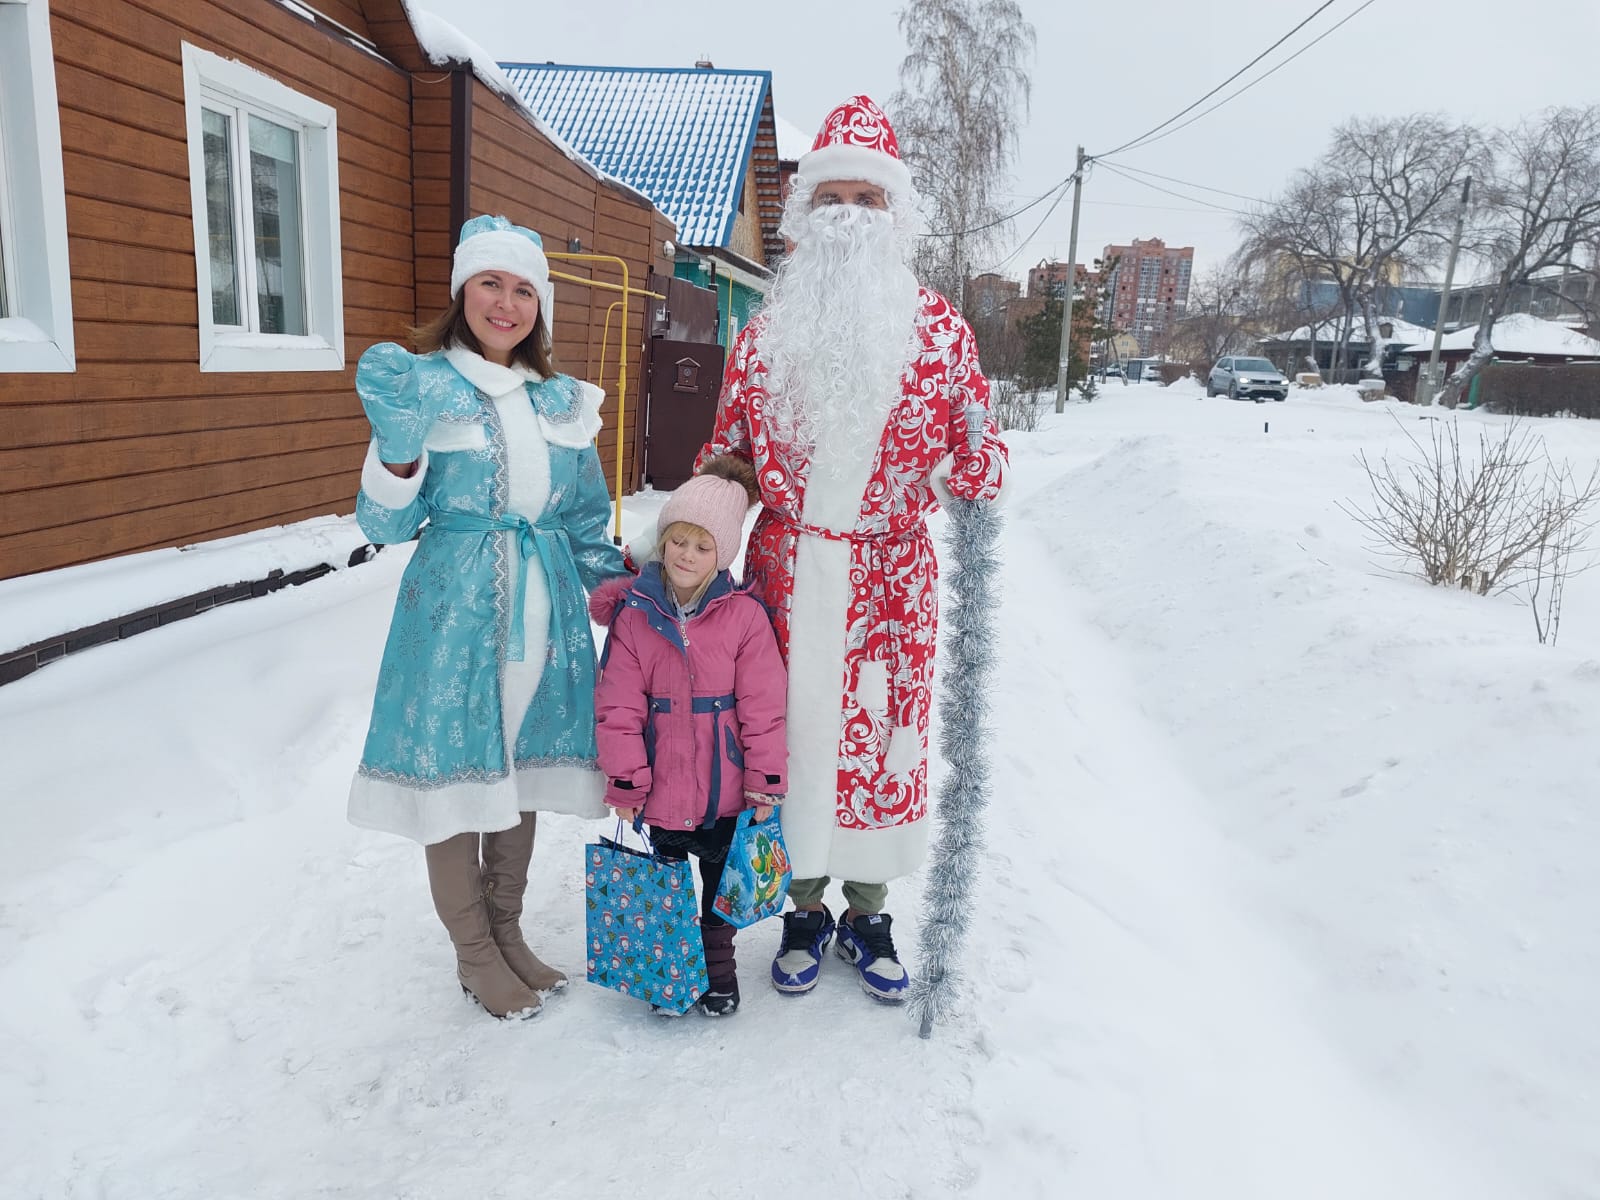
[(792, 141), (1519, 333), (1329, 330), (682, 136)]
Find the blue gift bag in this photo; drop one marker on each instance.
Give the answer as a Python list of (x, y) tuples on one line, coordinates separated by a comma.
[(755, 879), (643, 925)]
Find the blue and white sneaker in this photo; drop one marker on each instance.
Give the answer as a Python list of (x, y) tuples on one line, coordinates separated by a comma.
[(805, 938), (865, 943)]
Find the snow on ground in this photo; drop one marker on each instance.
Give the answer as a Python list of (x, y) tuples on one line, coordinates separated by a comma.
[(1289, 892)]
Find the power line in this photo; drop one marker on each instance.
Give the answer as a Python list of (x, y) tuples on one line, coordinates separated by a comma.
[(1155, 134), (1259, 79), (1156, 186), (999, 220), (1061, 190), (1186, 183), (1135, 141), (1151, 207)]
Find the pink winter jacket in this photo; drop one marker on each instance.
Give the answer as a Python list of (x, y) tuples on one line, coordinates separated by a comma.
[(686, 727)]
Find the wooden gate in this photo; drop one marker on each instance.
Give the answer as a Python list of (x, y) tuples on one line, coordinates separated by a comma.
[(685, 378)]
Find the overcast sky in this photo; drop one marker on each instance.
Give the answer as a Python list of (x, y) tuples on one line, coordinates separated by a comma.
[(1107, 71)]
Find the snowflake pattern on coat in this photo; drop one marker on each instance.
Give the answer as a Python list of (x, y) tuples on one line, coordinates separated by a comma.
[(892, 614)]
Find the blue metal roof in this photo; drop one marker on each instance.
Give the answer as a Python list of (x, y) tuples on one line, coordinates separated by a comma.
[(682, 136)]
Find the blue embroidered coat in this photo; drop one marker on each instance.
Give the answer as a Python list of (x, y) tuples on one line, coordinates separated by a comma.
[(491, 594)]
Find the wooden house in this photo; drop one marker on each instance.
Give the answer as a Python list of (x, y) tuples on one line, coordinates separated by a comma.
[(208, 210)]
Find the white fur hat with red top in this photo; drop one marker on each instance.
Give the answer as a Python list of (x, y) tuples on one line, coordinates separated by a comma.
[(857, 142)]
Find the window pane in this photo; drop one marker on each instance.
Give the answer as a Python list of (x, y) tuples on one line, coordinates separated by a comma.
[(280, 257), (5, 303), (217, 140)]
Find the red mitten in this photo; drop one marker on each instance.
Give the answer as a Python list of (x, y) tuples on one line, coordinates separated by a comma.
[(606, 599)]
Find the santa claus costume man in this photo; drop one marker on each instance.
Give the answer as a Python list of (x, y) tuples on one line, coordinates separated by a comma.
[(854, 393)]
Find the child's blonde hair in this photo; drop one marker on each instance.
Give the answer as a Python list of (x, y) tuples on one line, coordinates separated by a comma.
[(690, 529)]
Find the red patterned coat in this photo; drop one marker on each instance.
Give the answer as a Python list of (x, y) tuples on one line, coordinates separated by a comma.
[(843, 559)]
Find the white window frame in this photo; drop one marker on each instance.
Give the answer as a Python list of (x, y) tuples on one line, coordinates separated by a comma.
[(225, 81), (37, 335)]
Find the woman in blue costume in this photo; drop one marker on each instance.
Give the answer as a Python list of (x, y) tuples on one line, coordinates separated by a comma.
[(484, 712)]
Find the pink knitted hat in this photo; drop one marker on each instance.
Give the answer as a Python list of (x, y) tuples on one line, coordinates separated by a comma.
[(717, 500)]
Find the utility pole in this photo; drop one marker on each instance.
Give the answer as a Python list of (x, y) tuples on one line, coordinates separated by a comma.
[(1072, 280), (1428, 390)]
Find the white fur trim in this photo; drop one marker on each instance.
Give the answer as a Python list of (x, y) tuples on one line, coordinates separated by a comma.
[(491, 379), (876, 855), (575, 435), (505, 250), (386, 489), (872, 686), (432, 815), (576, 791), (842, 162), (446, 436), (816, 680), (905, 750), (528, 474)]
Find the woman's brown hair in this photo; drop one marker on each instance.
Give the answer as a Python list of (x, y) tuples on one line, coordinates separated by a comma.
[(450, 328)]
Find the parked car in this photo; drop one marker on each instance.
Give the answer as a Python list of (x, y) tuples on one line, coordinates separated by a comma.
[(1247, 379)]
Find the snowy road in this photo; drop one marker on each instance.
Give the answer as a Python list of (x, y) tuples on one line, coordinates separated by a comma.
[(1289, 892)]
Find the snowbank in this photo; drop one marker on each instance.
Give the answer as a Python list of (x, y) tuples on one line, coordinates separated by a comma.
[(35, 607)]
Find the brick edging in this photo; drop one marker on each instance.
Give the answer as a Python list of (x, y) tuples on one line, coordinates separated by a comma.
[(20, 663)]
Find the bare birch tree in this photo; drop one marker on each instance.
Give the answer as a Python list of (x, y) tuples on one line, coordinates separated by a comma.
[(964, 91), (1539, 214)]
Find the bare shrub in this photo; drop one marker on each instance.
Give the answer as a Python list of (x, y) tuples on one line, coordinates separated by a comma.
[(1506, 517), (1547, 580), (1013, 407)]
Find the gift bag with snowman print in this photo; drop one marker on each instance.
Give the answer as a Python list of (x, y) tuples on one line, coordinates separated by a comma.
[(643, 925)]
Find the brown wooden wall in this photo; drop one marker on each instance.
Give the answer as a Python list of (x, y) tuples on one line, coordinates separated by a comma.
[(137, 448)]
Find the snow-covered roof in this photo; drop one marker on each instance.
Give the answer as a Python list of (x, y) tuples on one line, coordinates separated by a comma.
[(1329, 329), (682, 136), (792, 140), (443, 44), (1518, 333)]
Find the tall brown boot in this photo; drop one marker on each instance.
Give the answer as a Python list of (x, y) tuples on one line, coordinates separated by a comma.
[(458, 886), (505, 867)]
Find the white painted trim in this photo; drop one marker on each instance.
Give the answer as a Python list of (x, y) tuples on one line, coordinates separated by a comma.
[(38, 336), (231, 349)]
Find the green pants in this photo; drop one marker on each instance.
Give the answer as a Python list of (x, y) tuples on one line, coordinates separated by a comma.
[(863, 897)]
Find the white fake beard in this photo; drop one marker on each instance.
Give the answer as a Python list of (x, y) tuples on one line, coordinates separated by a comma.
[(838, 334)]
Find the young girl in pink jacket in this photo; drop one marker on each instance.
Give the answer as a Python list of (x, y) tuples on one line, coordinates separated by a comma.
[(690, 700)]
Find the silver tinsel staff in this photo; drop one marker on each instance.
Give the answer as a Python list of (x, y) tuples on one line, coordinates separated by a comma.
[(964, 674)]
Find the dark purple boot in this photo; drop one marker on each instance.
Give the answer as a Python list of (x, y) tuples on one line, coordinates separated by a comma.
[(722, 997)]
